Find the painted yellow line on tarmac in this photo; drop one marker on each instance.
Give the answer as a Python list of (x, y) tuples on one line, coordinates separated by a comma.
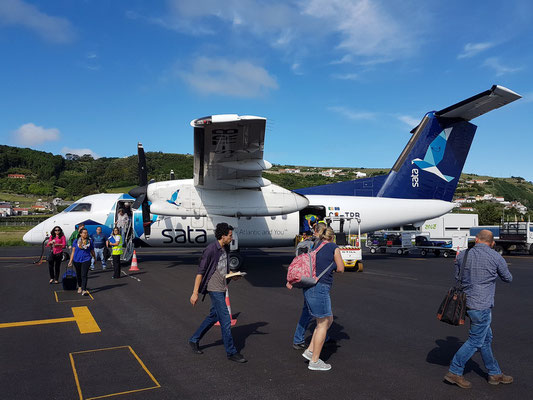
[(82, 316), (37, 322), (85, 320), (17, 257)]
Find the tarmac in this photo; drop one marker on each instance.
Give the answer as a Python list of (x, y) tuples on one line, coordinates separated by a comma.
[(128, 340)]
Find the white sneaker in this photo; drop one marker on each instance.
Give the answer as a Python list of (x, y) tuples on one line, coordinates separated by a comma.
[(307, 354), (319, 366)]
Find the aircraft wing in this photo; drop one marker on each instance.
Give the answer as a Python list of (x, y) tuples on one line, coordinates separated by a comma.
[(228, 152)]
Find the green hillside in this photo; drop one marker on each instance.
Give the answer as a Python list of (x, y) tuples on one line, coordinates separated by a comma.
[(49, 175)]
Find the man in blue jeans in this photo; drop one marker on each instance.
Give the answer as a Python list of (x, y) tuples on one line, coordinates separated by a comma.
[(211, 278), (99, 244), (479, 274)]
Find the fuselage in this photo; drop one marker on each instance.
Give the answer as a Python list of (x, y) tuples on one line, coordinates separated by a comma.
[(272, 231)]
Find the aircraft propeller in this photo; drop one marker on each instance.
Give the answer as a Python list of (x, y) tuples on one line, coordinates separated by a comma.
[(139, 192)]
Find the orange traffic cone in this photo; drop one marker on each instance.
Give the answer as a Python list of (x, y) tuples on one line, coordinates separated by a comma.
[(134, 263), (233, 321)]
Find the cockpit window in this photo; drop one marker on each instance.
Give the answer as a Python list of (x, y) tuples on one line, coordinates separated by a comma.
[(76, 207)]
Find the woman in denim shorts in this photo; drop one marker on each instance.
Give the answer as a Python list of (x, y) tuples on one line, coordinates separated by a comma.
[(318, 301)]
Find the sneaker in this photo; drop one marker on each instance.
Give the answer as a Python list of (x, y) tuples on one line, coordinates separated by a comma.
[(84, 293), (307, 354), (92, 268), (458, 380), (79, 290), (195, 346), (237, 357), (299, 346), (103, 267), (319, 366), (500, 378)]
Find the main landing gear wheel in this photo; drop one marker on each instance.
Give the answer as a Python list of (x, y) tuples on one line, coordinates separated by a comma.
[(235, 261)]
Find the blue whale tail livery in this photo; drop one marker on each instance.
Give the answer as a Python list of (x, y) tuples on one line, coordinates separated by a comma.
[(431, 163)]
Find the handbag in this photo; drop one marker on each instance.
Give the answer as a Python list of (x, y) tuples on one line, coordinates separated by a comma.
[(452, 310)]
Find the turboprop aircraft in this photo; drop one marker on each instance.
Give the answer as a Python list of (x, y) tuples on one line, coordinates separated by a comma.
[(228, 186)]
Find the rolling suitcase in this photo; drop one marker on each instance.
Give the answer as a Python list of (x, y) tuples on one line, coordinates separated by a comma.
[(69, 280)]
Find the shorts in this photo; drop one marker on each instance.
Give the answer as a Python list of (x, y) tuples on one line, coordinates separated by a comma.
[(318, 301)]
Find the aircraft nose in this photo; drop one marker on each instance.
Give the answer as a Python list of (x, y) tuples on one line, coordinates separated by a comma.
[(34, 236)]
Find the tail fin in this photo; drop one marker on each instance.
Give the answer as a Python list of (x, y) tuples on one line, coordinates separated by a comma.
[(430, 165)]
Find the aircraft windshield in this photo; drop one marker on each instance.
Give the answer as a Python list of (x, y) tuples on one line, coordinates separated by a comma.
[(76, 207)]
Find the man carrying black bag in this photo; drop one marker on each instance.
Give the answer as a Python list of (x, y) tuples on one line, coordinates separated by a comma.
[(479, 274)]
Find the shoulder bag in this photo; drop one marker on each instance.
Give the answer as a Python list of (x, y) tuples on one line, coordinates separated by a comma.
[(452, 310)]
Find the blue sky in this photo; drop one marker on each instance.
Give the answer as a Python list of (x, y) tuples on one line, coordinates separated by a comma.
[(341, 82)]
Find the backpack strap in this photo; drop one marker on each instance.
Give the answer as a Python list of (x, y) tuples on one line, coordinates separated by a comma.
[(329, 266)]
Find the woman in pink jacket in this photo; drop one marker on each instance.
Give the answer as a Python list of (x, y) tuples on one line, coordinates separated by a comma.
[(57, 242)]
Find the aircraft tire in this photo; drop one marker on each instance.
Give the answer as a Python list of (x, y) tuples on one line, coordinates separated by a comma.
[(235, 261)]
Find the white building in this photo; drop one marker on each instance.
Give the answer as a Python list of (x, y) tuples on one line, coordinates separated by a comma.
[(443, 227)]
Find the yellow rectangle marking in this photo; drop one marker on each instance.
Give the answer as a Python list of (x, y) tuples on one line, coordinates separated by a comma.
[(85, 320), (111, 394), (68, 301)]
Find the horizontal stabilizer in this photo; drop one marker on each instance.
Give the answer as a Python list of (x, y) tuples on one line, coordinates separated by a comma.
[(482, 103)]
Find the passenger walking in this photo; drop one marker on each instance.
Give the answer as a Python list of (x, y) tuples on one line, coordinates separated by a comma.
[(99, 243), (311, 242), (82, 253), (479, 275), (57, 242), (317, 298), (211, 278), (75, 235), (123, 221), (115, 240)]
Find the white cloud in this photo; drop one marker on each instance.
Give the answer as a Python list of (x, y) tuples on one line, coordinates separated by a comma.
[(52, 29), (366, 29), (79, 152), (352, 114), (31, 135), (227, 78), (346, 77), (499, 68), (362, 31), (472, 49), (409, 121)]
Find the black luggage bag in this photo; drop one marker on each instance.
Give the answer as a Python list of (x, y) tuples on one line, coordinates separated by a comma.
[(69, 280)]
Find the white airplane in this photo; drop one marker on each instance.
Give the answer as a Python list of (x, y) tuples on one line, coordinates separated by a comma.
[(228, 186)]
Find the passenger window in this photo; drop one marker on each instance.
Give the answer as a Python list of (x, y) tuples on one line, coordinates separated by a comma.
[(81, 207)]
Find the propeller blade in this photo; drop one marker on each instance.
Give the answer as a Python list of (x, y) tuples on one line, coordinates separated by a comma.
[(147, 224), (139, 200), (143, 174)]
